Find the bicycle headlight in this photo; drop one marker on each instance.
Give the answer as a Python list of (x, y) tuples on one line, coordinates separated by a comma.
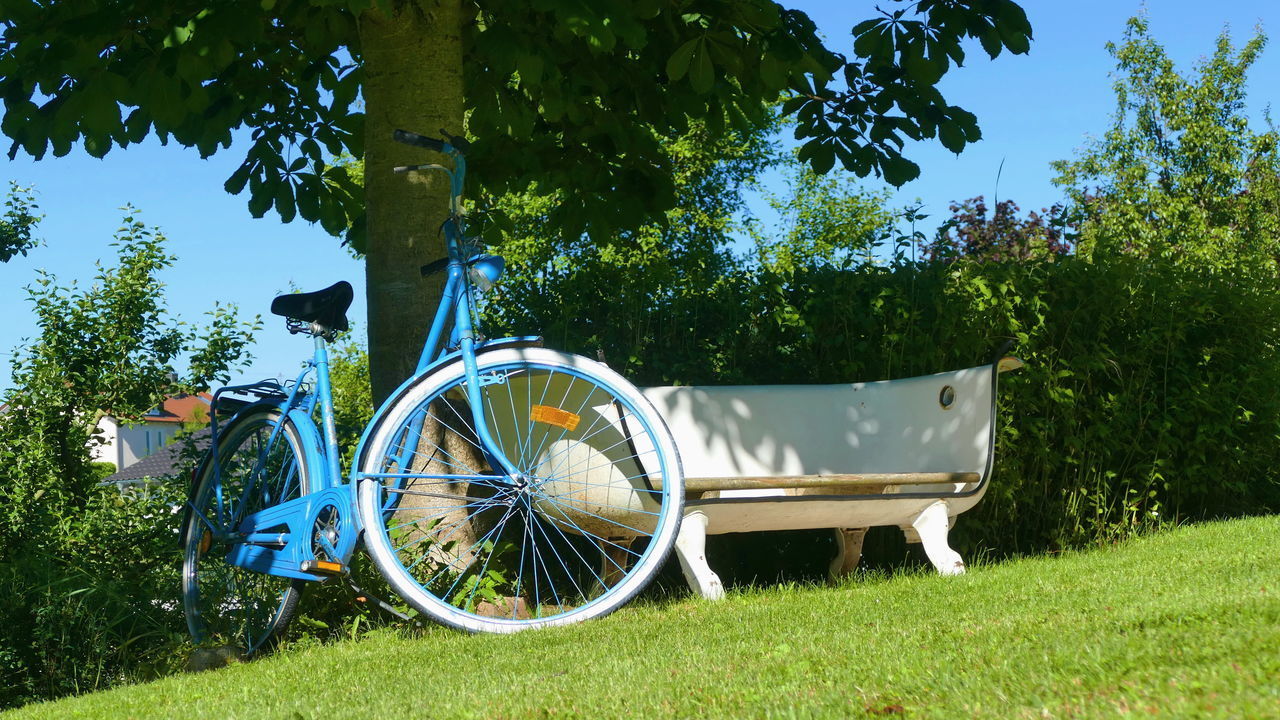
[(485, 271)]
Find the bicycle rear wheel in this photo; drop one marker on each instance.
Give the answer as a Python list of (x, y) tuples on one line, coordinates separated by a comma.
[(229, 606), (584, 523)]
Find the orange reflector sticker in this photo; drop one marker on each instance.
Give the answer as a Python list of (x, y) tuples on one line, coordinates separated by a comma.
[(326, 566), (555, 416)]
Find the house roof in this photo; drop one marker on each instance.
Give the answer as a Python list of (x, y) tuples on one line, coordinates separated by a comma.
[(181, 408), (170, 461)]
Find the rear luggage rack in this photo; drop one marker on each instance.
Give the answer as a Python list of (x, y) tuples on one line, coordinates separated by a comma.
[(224, 404)]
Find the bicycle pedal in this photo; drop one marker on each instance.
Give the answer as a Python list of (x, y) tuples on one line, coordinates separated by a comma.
[(324, 567)]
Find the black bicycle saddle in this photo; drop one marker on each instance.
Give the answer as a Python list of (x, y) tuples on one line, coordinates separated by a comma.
[(325, 310)]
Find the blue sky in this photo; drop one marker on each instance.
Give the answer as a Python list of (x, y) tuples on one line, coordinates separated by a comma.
[(1033, 109)]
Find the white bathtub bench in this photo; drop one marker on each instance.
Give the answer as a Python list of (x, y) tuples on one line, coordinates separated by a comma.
[(912, 453)]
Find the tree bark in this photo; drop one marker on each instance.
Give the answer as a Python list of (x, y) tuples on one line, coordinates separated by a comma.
[(413, 81)]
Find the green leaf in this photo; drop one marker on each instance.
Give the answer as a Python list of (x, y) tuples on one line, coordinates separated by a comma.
[(179, 35), (966, 121), (866, 26), (921, 69), (991, 42), (772, 74), (898, 170), (678, 63), (1012, 16), (529, 65), (235, 183), (284, 201), (356, 236), (97, 146), (1019, 43), (647, 9), (872, 44), (601, 39), (61, 145), (952, 136), (260, 200), (701, 70), (332, 218), (726, 52), (823, 156), (762, 15), (307, 195), (793, 104)]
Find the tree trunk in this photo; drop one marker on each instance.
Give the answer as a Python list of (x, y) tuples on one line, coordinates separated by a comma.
[(413, 81)]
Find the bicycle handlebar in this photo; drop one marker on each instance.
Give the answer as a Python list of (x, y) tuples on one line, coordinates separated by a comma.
[(455, 147)]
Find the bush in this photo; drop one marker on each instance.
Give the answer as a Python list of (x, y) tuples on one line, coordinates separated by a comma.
[(1150, 391), (89, 593), (1148, 396), (101, 608)]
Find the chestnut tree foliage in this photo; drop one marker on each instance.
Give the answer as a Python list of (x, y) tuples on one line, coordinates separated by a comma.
[(574, 95)]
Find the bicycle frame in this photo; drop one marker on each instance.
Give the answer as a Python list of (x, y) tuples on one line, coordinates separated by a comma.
[(260, 544)]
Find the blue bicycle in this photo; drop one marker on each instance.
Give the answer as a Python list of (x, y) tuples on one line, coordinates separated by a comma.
[(503, 486)]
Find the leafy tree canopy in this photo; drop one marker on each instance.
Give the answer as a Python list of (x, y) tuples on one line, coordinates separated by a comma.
[(571, 94), (1180, 173), (827, 220)]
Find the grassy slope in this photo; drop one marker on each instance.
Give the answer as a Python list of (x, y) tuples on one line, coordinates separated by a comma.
[(1182, 624)]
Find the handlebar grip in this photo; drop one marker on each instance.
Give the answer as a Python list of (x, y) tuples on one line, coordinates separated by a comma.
[(409, 138), (435, 266)]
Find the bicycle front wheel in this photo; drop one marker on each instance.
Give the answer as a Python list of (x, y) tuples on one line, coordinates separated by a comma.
[(582, 525), (226, 605)]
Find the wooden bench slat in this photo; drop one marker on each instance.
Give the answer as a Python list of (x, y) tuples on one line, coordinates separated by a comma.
[(704, 484)]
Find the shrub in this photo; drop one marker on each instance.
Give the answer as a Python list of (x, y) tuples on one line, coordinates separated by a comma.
[(89, 592), (100, 607), (1148, 394)]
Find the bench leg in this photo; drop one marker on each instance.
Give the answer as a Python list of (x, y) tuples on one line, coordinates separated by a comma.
[(932, 525), (691, 549), (848, 552), (615, 558)]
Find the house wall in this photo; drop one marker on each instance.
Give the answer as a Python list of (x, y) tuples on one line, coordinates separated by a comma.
[(126, 445), (108, 451), (139, 441)]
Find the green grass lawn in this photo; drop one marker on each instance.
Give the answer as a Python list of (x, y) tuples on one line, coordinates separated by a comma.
[(1181, 624)]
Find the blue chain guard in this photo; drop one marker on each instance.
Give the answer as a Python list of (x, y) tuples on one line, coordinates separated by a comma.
[(291, 524)]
